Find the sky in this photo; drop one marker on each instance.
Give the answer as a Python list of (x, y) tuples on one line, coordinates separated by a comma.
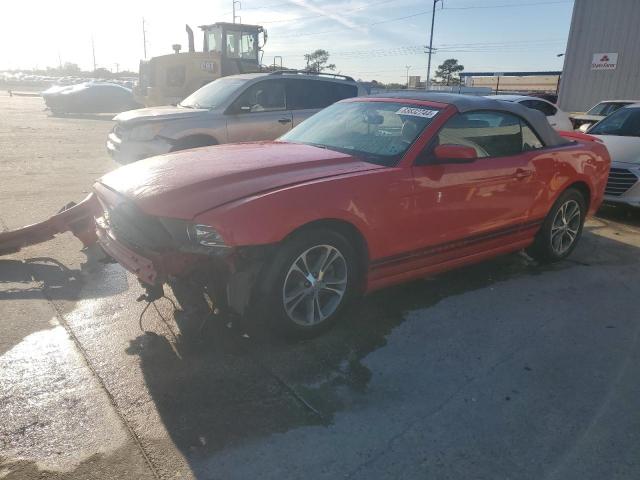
[(372, 39)]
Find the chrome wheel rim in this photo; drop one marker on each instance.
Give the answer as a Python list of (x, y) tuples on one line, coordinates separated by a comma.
[(315, 285), (565, 227)]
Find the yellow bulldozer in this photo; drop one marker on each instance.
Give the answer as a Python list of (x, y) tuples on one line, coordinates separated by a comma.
[(228, 49)]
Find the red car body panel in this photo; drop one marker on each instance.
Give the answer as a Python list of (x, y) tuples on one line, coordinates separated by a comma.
[(173, 185), (414, 219)]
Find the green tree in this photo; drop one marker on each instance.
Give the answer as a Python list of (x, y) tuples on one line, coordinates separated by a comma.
[(449, 72), (318, 61)]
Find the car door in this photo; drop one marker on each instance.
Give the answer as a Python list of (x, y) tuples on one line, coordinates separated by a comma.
[(484, 198), (259, 113), (306, 96)]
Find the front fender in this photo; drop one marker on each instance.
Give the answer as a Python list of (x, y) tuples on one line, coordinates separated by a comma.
[(212, 126), (375, 202)]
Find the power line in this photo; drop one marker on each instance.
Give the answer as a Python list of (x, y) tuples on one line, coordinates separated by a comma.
[(405, 50), (425, 12)]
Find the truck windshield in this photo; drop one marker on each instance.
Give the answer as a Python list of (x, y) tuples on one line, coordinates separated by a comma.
[(213, 94), (379, 132)]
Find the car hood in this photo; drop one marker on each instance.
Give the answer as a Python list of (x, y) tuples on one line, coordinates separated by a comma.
[(186, 183), (158, 113), (622, 149)]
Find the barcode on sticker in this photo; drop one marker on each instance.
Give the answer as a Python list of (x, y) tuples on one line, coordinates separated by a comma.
[(417, 112)]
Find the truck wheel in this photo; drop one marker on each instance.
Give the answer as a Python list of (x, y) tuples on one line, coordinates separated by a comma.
[(196, 141), (562, 228), (309, 282)]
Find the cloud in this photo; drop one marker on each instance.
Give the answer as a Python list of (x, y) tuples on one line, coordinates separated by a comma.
[(329, 14)]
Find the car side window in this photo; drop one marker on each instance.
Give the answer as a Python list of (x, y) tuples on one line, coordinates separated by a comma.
[(491, 134), (316, 94), (530, 141), (546, 108), (264, 96)]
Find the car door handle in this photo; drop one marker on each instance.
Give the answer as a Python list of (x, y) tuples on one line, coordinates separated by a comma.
[(284, 120), (521, 174)]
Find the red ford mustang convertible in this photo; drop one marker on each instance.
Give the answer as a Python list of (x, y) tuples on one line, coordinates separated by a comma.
[(368, 193)]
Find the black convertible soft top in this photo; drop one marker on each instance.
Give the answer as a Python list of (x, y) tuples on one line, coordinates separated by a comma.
[(468, 103)]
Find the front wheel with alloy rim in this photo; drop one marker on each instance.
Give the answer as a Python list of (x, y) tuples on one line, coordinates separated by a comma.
[(562, 228), (308, 283)]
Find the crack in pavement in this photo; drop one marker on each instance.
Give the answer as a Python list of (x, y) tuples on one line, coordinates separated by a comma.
[(281, 381), (490, 369), (63, 321)]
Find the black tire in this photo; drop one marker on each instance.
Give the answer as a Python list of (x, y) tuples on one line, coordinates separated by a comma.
[(193, 142), (269, 301), (546, 248)]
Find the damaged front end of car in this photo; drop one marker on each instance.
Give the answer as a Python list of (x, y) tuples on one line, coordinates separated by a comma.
[(190, 257)]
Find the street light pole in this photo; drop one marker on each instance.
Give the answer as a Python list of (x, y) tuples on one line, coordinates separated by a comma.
[(407, 67), (234, 9), (144, 38), (430, 48), (93, 51)]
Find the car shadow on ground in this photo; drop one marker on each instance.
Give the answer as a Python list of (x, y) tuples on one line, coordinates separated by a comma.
[(620, 213), (27, 280), (221, 388), (47, 278)]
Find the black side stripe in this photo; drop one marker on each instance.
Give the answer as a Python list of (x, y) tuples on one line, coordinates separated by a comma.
[(449, 246)]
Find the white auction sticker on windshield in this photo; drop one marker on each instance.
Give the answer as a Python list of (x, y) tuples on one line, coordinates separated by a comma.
[(417, 112)]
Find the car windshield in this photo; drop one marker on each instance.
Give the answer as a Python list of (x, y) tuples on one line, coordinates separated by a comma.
[(624, 122), (605, 108), (213, 94), (379, 132)]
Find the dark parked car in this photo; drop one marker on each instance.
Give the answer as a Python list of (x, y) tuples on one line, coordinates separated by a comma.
[(89, 97)]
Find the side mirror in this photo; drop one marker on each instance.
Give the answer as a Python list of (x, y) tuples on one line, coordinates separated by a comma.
[(455, 154)]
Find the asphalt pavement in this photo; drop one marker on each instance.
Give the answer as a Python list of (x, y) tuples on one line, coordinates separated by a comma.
[(506, 369)]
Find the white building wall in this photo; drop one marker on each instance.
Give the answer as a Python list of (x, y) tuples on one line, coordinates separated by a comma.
[(601, 26)]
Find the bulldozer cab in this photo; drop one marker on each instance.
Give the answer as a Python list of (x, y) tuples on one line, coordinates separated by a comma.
[(228, 49), (237, 45)]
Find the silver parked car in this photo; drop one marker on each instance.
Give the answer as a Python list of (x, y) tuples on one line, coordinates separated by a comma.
[(238, 108), (620, 133)]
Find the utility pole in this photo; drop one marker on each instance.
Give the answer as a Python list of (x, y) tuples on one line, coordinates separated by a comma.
[(234, 10), (427, 83), (117, 68), (93, 50), (407, 67), (59, 60), (144, 38)]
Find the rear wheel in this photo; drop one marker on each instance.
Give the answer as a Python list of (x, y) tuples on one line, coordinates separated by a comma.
[(309, 282), (562, 228)]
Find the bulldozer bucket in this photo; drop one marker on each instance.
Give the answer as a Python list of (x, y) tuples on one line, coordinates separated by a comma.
[(76, 218)]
